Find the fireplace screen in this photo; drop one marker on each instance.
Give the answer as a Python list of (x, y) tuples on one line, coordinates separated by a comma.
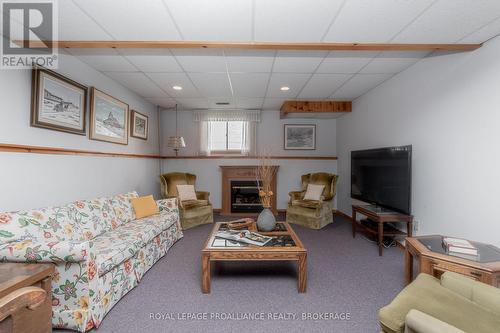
[(245, 196)]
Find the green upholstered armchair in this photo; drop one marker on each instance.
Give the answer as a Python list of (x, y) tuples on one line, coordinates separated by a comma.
[(451, 304), (314, 214), (192, 212)]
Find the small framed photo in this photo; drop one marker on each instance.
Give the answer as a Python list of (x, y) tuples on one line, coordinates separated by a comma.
[(108, 118), (300, 137), (57, 102), (139, 125)]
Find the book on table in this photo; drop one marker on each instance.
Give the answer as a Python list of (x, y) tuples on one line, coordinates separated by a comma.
[(244, 236), (459, 245)]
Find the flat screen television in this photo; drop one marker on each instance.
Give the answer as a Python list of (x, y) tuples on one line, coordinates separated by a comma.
[(382, 177)]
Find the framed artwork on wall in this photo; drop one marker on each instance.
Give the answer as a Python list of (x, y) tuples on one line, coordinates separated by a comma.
[(300, 137), (57, 102), (108, 118), (139, 125)]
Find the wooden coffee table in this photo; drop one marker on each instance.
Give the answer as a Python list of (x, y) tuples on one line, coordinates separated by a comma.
[(285, 247)]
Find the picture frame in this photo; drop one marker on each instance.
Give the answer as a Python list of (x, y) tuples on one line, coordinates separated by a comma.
[(57, 102), (139, 125), (109, 118), (299, 137)]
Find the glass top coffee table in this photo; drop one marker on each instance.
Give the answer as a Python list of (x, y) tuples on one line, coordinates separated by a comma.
[(285, 246), (434, 259)]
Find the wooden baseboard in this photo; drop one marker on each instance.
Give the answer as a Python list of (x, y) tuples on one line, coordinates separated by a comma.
[(339, 213)]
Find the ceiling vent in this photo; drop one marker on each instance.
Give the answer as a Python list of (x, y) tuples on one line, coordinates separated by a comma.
[(222, 103)]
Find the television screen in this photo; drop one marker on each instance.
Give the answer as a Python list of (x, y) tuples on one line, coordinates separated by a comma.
[(383, 177)]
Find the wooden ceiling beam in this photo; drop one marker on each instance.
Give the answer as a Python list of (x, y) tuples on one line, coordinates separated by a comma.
[(73, 44), (311, 107)]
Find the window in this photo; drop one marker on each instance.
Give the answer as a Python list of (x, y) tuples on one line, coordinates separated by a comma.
[(226, 136)]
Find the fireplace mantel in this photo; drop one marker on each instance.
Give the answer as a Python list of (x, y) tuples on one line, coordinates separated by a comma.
[(242, 172)]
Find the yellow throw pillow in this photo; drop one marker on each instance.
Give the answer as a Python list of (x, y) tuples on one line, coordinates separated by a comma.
[(144, 206)]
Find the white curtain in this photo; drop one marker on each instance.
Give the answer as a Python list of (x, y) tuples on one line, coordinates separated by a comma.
[(249, 133)]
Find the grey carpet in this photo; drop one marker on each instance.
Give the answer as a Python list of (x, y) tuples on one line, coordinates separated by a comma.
[(344, 275)]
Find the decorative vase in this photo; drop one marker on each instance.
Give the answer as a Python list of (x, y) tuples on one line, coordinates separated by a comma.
[(266, 220)]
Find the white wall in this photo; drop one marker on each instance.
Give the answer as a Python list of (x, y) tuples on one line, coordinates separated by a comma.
[(33, 180), (269, 138), (448, 107)]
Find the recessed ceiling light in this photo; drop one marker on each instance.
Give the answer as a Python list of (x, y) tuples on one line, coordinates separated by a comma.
[(285, 88), (177, 87)]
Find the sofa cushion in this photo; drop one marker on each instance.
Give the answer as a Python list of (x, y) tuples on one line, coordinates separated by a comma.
[(93, 217), (115, 246), (47, 224), (144, 206), (123, 207), (426, 294)]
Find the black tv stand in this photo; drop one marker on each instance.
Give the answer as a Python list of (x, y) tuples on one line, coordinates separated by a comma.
[(380, 218)]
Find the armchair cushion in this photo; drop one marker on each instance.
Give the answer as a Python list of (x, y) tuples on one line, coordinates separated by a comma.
[(314, 192), (307, 203), (188, 204), (186, 192)]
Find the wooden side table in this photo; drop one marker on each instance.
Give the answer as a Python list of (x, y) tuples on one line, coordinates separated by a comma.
[(433, 259), (16, 276), (380, 218)]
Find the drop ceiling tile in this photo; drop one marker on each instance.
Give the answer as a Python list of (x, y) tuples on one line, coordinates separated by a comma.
[(133, 20), (485, 33), (212, 84), (224, 20), (165, 102), (200, 60), (345, 62), (71, 21), (249, 103), (449, 21), (167, 80), (368, 21), (298, 61), (137, 82), (192, 103), (293, 20), (294, 81), (152, 60), (359, 85), (249, 60), (393, 62), (323, 85), (249, 84), (105, 60), (273, 103)]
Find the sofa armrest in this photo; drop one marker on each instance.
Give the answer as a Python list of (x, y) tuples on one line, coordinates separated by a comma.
[(480, 293), (39, 251), (296, 195), (419, 322), (202, 195), (168, 205)]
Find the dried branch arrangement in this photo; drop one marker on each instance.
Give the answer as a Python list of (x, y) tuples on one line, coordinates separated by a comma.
[(264, 175)]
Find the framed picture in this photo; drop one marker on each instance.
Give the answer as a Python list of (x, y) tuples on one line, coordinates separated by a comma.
[(300, 137), (139, 125), (108, 118), (57, 103)]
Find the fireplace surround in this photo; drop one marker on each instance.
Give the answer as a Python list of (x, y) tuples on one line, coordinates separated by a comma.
[(240, 192)]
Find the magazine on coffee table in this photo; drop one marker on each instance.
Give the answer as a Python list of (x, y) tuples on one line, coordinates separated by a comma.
[(244, 236)]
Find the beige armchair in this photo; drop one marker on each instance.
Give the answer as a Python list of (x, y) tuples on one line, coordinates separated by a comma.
[(314, 214), (191, 212)]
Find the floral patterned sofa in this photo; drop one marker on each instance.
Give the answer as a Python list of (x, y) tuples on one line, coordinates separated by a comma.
[(100, 251)]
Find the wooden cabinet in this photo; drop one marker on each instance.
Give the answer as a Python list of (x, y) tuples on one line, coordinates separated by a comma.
[(435, 263)]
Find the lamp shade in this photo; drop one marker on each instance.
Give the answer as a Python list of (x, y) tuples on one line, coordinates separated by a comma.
[(176, 142)]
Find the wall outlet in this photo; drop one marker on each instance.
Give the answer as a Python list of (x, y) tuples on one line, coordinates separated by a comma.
[(416, 226)]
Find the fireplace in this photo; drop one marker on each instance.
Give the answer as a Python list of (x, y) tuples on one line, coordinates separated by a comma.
[(240, 193), (245, 196)]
